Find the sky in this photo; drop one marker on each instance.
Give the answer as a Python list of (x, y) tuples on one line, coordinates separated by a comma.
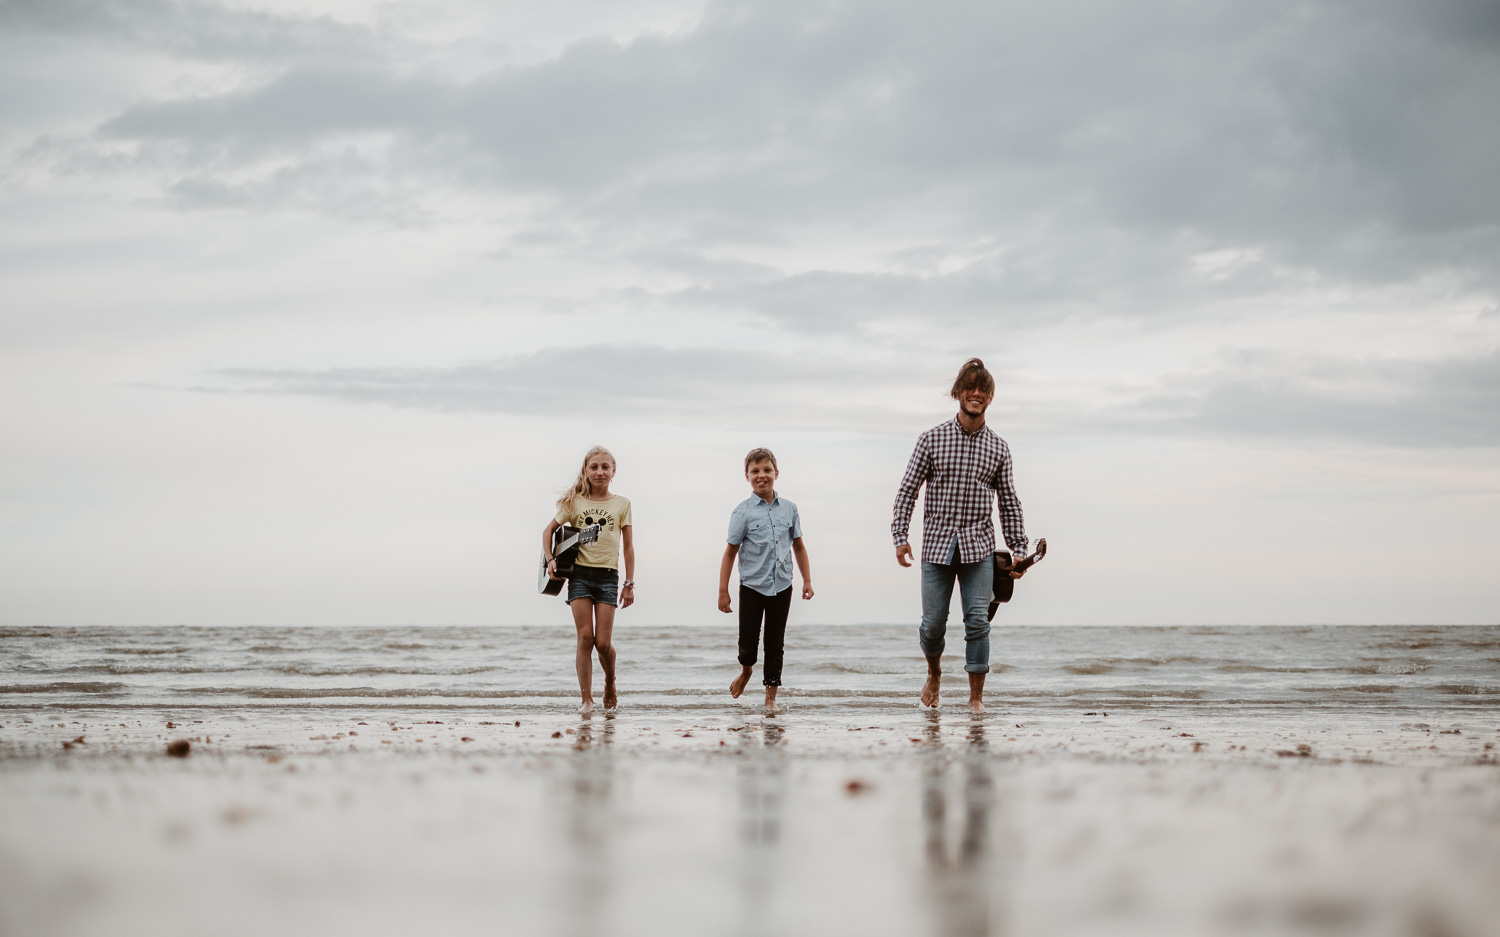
[(308, 311)]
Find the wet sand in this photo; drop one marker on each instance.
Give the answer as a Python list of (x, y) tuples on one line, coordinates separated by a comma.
[(723, 820)]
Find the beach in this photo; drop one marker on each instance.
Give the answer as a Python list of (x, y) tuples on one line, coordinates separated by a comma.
[(1180, 781)]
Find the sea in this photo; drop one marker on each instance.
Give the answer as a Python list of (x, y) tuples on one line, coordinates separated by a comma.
[(828, 668)]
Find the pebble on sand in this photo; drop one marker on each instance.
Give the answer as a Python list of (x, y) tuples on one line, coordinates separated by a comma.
[(856, 786), (179, 748)]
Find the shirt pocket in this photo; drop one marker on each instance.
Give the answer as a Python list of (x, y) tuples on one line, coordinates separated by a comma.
[(758, 531)]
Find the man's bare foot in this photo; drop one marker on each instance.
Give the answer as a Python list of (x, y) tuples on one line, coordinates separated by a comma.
[(930, 688), (976, 693), (586, 708), (738, 686), (611, 699), (771, 698)]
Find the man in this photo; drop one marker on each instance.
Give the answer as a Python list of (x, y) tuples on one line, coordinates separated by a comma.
[(962, 463)]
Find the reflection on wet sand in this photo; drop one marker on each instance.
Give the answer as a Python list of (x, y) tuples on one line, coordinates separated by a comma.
[(762, 782), (959, 880), (586, 878)]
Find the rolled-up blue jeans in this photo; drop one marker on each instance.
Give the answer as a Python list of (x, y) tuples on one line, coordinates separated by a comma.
[(975, 588)]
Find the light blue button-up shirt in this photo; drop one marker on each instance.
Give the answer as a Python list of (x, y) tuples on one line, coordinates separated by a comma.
[(764, 533)]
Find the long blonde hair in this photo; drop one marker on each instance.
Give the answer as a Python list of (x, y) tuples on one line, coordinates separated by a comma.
[(581, 486)]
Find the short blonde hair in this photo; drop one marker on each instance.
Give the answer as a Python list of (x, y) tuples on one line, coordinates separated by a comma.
[(760, 455)]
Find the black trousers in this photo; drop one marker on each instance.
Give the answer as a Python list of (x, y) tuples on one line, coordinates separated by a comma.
[(774, 609)]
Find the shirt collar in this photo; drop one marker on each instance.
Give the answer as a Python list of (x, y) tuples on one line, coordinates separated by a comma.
[(759, 500), (960, 427)]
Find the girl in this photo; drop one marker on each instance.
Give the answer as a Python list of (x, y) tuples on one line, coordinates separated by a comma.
[(592, 590)]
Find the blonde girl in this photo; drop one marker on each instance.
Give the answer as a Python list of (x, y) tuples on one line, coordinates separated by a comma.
[(594, 590)]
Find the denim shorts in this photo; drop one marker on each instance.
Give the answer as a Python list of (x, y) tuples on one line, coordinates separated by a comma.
[(594, 582)]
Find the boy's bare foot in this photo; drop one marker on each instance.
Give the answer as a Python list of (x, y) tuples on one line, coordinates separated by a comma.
[(738, 686), (611, 699), (771, 698), (586, 708), (977, 707), (930, 688)]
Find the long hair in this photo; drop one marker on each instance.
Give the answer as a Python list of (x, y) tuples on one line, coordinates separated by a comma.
[(973, 375), (582, 485)]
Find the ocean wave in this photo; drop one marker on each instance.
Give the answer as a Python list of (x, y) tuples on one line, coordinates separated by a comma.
[(1466, 689), (312, 670), (145, 650), (366, 692), (1090, 669), (64, 687)]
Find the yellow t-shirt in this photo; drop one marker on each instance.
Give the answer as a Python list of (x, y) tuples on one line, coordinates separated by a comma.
[(612, 515)]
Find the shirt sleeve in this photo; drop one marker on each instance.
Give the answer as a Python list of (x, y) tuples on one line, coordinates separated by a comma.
[(562, 517), (1012, 522), (736, 527), (624, 520), (918, 471), (796, 522)]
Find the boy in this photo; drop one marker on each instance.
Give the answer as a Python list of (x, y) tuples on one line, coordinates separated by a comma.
[(765, 531)]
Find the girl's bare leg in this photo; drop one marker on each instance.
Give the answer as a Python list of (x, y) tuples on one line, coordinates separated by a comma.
[(604, 629), (583, 621)]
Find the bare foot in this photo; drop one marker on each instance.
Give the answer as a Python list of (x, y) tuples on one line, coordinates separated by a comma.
[(738, 686), (771, 698), (930, 688), (586, 708), (977, 707), (611, 699)]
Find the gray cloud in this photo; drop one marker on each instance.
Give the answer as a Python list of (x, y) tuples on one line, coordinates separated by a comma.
[(1442, 402), (642, 382), (1438, 402), (1096, 147), (194, 30)]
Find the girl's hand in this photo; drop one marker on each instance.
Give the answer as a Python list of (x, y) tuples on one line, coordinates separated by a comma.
[(627, 596), (552, 569), (807, 591)]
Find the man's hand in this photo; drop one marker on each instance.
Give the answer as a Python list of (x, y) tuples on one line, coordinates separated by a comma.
[(1012, 563), (807, 592), (903, 554), (724, 605)]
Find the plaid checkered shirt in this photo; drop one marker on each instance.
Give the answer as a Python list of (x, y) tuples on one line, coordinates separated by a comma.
[(961, 471)]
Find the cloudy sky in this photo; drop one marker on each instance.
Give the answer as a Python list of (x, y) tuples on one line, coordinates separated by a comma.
[(309, 309)]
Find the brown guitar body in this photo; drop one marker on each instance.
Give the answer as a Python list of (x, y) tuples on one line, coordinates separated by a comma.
[(1005, 586), (565, 543)]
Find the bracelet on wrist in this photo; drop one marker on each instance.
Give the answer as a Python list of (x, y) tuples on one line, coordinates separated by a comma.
[(628, 582)]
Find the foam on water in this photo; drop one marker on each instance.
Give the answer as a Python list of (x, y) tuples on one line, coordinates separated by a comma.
[(828, 667)]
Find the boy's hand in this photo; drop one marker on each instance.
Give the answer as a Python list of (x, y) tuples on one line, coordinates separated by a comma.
[(807, 592), (724, 603)]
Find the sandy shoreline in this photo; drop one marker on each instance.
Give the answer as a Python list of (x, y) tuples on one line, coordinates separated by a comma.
[(665, 822)]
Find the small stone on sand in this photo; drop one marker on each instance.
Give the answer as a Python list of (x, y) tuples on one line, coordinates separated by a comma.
[(179, 748)]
